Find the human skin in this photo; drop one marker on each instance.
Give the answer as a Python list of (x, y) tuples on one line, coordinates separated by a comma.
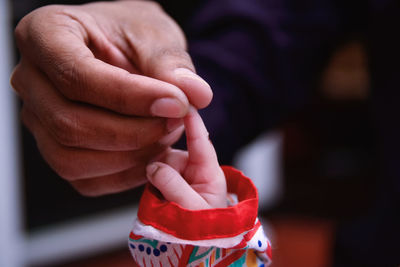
[(104, 87), (193, 178)]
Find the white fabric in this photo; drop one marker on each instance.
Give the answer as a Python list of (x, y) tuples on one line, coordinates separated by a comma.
[(152, 233)]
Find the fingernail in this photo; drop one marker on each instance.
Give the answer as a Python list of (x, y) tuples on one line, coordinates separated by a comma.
[(151, 169), (186, 73), (173, 124), (167, 107), (172, 137)]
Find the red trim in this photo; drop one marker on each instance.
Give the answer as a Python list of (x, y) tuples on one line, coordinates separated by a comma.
[(185, 255), (203, 224), (231, 258)]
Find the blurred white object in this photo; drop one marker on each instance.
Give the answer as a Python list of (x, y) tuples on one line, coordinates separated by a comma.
[(261, 161), (80, 238), (11, 239)]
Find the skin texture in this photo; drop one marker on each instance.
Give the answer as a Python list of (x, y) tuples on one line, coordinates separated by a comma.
[(193, 178), (104, 88)]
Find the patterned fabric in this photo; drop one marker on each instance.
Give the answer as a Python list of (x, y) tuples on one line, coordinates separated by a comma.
[(205, 244), (154, 253)]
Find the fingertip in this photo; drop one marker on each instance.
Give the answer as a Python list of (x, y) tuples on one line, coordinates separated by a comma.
[(173, 124), (168, 107), (172, 137), (204, 99), (196, 88)]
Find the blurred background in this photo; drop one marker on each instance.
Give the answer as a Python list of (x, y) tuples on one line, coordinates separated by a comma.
[(315, 170)]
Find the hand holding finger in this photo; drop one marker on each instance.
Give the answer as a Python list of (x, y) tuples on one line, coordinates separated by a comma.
[(96, 84)]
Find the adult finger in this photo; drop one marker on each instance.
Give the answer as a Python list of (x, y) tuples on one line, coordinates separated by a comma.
[(59, 46), (161, 51), (173, 186), (78, 125), (72, 163)]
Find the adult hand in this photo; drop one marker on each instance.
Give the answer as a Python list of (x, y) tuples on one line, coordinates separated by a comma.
[(97, 83)]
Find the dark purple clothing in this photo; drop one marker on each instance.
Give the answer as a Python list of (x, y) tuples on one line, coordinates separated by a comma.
[(263, 60)]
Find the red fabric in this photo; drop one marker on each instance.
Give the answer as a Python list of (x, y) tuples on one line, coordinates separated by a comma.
[(187, 224)]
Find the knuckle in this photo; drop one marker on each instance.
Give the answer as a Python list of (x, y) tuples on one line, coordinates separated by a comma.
[(69, 80), (20, 30), (34, 34), (31, 25), (65, 129), (15, 79)]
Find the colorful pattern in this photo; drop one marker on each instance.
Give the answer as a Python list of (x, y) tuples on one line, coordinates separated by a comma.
[(153, 253)]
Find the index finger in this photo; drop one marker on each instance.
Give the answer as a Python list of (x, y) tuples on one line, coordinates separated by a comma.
[(59, 46), (200, 149)]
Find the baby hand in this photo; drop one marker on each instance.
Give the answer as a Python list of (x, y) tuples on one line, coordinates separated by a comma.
[(193, 179)]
